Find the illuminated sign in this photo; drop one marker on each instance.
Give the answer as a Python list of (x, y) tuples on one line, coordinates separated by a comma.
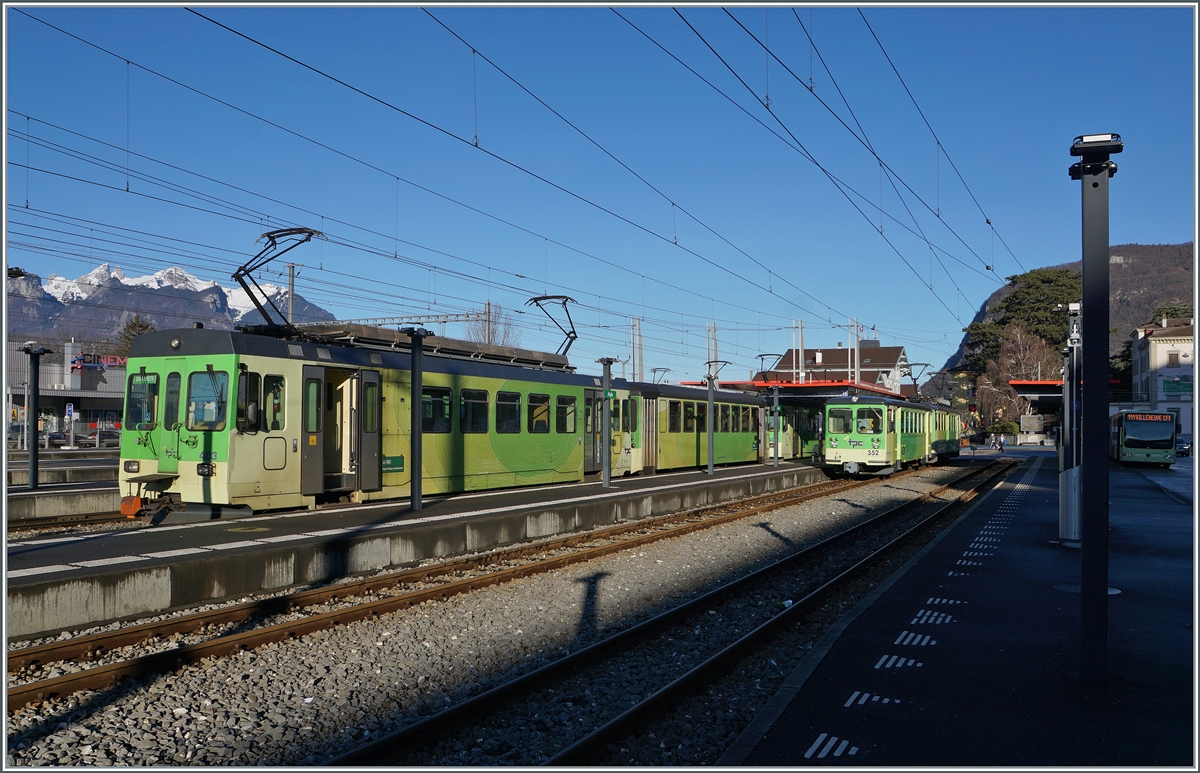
[(1150, 416)]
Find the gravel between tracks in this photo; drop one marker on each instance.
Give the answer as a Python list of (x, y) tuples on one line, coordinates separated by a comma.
[(302, 701)]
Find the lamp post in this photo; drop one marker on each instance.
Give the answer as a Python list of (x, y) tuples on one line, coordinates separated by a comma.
[(416, 337), (31, 408), (1094, 170)]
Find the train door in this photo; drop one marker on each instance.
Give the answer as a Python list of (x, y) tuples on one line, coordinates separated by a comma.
[(616, 443), (649, 425), (167, 435), (312, 432), (592, 431), (368, 445)]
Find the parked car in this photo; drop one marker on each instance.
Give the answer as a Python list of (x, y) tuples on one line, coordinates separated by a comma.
[(108, 437), (1183, 446)]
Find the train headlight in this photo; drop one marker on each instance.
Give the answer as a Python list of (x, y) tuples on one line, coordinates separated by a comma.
[(176, 342), (133, 466), (206, 469)]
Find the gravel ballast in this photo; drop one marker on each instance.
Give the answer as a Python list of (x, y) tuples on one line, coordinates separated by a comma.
[(304, 701)]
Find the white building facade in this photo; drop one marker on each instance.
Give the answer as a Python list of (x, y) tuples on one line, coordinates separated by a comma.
[(1163, 369)]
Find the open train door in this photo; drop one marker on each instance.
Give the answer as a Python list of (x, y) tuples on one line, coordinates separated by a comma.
[(312, 432), (369, 439)]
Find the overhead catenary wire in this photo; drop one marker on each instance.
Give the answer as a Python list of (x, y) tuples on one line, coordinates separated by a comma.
[(813, 159), (389, 174), (941, 148)]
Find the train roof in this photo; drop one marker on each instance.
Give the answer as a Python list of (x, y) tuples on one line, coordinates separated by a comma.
[(876, 400), (647, 389), (439, 358)]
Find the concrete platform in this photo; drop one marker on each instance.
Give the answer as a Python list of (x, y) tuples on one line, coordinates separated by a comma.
[(48, 476), (969, 656), (59, 583), (57, 500)]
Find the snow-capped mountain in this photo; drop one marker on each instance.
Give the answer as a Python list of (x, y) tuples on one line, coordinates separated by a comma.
[(99, 303)]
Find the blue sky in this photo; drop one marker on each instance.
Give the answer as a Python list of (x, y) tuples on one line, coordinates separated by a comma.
[(1005, 89)]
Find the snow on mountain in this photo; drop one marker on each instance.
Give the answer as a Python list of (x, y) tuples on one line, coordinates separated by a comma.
[(169, 277), (240, 303)]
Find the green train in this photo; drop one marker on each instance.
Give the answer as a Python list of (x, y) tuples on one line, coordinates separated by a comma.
[(1142, 437), (241, 420), (879, 436)]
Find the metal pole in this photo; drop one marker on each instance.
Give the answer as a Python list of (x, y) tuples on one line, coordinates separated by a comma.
[(291, 292), (606, 422), (712, 418), (417, 349), (800, 348), (31, 410), (776, 391), (1094, 170)]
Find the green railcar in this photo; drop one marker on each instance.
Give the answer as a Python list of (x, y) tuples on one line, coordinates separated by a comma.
[(879, 436), (677, 436), (229, 419)]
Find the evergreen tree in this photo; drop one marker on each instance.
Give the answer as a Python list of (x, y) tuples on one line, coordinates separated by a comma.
[(1038, 301), (132, 329), (1171, 310)]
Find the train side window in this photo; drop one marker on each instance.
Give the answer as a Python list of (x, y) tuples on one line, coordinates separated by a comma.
[(564, 417), (370, 408), (437, 403), (624, 415), (312, 405), (840, 420), (724, 426), (702, 417), (615, 415), (171, 405), (689, 417), (753, 420), (206, 400), (273, 417), (473, 411), (735, 418), (539, 414), (141, 406), (508, 413), (248, 388), (746, 420), (587, 416), (633, 414), (674, 416)]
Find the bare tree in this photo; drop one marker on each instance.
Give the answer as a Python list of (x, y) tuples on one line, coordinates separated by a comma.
[(495, 327), (1023, 357)]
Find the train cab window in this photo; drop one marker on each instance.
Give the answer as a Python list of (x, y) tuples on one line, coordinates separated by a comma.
[(473, 411), (624, 415), (539, 414), (747, 422), (206, 400), (564, 415), (870, 421), (674, 416), (249, 387), (702, 417), (437, 403), (724, 426), (689, 417), (840, 421), (271, 409), (141, 404), (312, 405), (508, 413), (171, 404)]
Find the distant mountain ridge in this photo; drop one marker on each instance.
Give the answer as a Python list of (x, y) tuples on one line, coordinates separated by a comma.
[(98, 304), (1141, 278)]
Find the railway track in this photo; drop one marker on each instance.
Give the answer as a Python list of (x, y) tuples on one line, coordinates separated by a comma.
[(483, 570), (596, 746), (66, 521)]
